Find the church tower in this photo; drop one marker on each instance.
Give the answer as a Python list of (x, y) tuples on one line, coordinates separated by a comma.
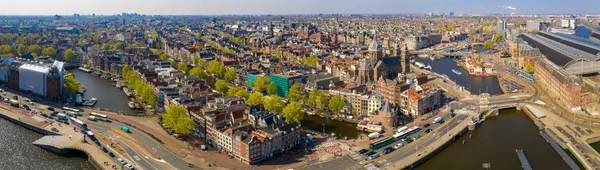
[(365, 71), (405, 59), (375, 52)]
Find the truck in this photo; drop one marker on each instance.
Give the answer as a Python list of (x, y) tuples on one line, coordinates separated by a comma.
[(374, 135), (437, 120)]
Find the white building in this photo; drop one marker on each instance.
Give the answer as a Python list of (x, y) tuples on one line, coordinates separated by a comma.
[(533, 25), (33, 78), (375, 102)]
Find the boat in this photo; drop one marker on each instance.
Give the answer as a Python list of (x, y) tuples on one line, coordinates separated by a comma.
[(432, 58), (481, 75), (90, 102), (428, 67), (131, 105), (456, 72)]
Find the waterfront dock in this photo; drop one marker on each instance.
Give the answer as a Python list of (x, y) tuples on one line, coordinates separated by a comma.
[(523, 159), (561, 152), (61, 140)]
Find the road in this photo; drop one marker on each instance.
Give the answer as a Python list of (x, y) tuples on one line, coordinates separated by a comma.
[(150, 147), (357, 161)]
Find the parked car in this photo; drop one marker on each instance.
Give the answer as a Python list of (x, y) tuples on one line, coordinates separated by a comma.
[(387, 150), (428, 130), (373, 156), (128, 166), (426, 125), (452, 115), (362, 151), (416, 137), (398, 145), (371, 153), (51, 108)]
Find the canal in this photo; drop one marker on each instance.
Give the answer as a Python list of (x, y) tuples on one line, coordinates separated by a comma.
[(18, 152), (495, 142), (476, 85), (320, 124), (109, 96)]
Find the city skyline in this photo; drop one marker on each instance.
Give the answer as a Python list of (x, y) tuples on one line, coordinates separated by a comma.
[(237, 7)]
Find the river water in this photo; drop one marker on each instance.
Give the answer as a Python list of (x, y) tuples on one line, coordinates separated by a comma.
[(109, 96), (320, 124), (495, 142), (476, 85), (18, 152)]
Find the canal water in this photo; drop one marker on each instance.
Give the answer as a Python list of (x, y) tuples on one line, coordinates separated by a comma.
[(495, 142), (109, 96), (341, 129), (476, 85), (18, 152), (596, 146)]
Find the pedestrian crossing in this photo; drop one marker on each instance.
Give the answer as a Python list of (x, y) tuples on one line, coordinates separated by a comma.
[(356, 156), (328, 144), (371, 167)]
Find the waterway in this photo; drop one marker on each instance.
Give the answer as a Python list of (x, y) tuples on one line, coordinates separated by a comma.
[(596, 146), (320, 124), (109, 96), (495, 142), (18, 152), (476, 85)]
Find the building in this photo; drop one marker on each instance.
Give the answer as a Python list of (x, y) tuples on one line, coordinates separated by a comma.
[(284, 82), (501, 27), (375, 52), (375, 102), (38, 78), (422, 99), (533, 25), (564, 88), (387, 116)]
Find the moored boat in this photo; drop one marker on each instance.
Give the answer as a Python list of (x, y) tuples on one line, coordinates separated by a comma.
[(91, 102), (456, 72)]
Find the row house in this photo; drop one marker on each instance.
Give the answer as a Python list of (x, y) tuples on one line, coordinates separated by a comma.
[(423, 99)]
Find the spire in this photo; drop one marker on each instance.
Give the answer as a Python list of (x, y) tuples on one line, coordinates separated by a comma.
[(387, 107), (374, 46)]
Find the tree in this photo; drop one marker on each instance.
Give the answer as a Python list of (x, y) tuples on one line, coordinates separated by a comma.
[(311, 61), (69, 55), (71, 85), (336, 103), (216, 68), (497, 37), (449, 27), (21, 49), (272, 88), (116, 46), (273, 103), (199, 73), (534, 31), (221, 86), (293, 112), (471, 31), (230, 74), (295, 93), (242, 93), (164, 56), (529, 67), (232, 91), (489, 44), (260, 84), (312, 98), (196, 59), (105, 47), (255, 99), (177, 119), (201, 64), (49, 52), (173, 63), (34, 49), (322, 100), (182, 67), (6, 49)]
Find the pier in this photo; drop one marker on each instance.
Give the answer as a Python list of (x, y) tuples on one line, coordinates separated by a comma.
[(524, 162), (561, 152)]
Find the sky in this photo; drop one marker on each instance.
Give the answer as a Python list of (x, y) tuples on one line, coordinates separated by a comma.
[(224, 7)]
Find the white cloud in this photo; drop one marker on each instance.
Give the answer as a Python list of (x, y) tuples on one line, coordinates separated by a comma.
[(509, 7)]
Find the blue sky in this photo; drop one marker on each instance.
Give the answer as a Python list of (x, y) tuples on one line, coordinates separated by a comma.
[(218, 7)]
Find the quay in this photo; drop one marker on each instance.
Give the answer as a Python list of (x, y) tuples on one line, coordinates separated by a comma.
[(61, 141), (524, 162), (561, 152)]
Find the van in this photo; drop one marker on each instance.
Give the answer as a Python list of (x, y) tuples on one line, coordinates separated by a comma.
[(92, 118), (374, 135)]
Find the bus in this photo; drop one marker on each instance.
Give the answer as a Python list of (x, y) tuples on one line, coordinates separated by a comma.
[(381, 143), (406, 133), (71, 109), (102, 117), (79, 123), (402, 129)]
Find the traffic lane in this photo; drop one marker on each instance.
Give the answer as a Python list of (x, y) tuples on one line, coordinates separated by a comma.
[(171, 159), (129, 151), (337, 164)]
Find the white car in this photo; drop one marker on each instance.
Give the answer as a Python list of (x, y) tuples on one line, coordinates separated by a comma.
[(121, 161), (128, 166), (398, 146)]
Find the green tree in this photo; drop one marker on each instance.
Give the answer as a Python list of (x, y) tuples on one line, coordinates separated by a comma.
[(49, 51), (199, 73), (173, 63), (177, 119), (273, 103), (293, 112), (21, 49), (164, 56), (535, 31), (272, 88), (336, 103), (195, 60), (182, 67), (216, 68), (201, 64), (295, 93), (322, 100), (34, 49), (242, 94), (260, 84), (105, 47), (116, 46), (489, 44), (232, 91), (6, 49), (255, 99), (96, 38), (529, 67), (497, 37), (312, 98), (20, 40), (69, 55), (230, 74), (71, 85), (221, 86), (449, 27), (311, 61)]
